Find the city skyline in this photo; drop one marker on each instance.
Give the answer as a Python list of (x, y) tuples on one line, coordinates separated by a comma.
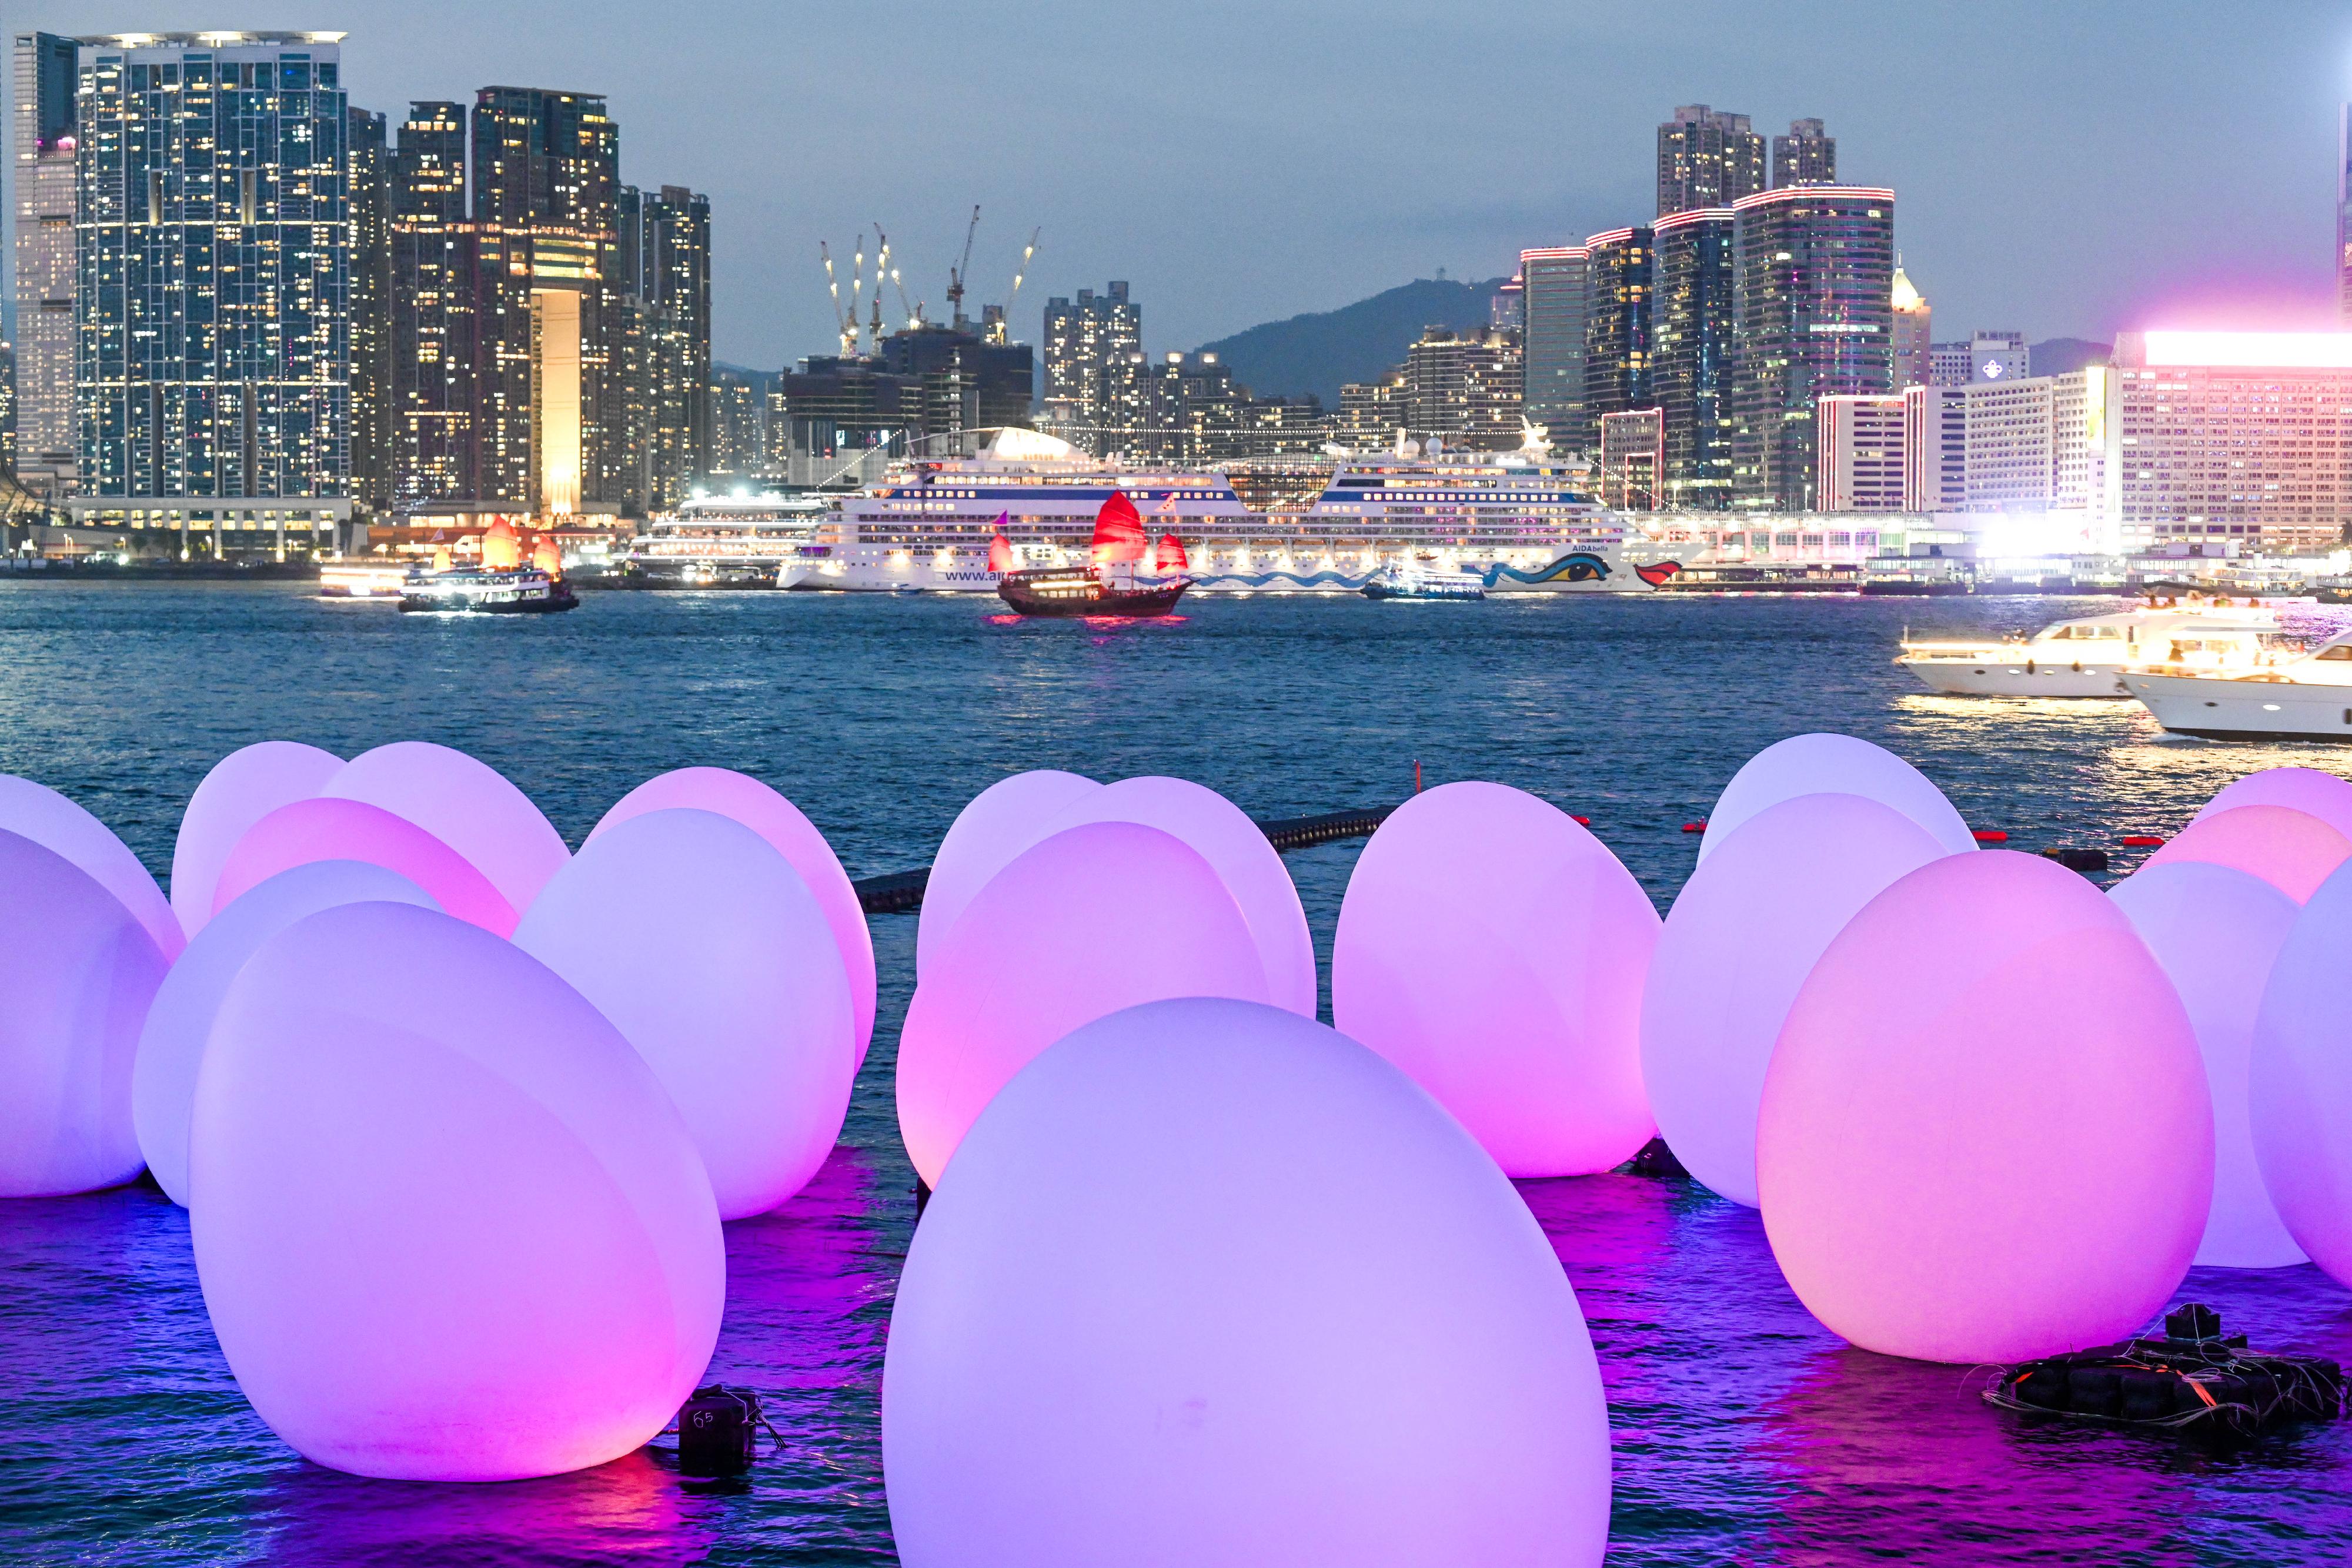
[(2068, 194)]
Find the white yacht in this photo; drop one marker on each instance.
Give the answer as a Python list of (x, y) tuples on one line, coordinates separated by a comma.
[(2306, 698), (2087, 657), (723, 540)]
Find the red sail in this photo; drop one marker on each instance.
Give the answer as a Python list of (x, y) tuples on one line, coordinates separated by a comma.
[(1172, 556), (1000, 549), (1118, 531)]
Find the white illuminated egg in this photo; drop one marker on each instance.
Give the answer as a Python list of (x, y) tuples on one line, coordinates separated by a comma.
[(2287, 847), (1211, 1284), (1744, 933), (172, 1041), (328, 828), (81, 974), (1098, 917), (466, 804), (793, 836), (2322, 795), (705, 949), (1985, 1133), (39, 813), (1833, 764), (2299, 1081), (448, 1223), (2217, 932), (242, 787), (993, 829), (1496, 951)]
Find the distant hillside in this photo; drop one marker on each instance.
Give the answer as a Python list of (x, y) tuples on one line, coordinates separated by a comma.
[(2060, 356), (1355, 343)]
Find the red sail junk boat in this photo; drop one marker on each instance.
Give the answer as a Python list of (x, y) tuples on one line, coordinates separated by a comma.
[(1111, 585)]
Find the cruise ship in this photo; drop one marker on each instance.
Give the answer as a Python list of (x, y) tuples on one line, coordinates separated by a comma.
[(718, 541), (1514, 522)]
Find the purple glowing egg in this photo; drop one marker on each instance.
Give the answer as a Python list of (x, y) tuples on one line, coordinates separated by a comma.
[(795, 837), (39, 813), (466, 804), (1211, 1284), (1833, 765), (172, 1041), (1236, 848), (243, 788), (84, 972), (1096, 918), (2323, 795), (449, 1225), (1744, 933), (987, 835), (330, 829), (705, 949), (2217, 932), (2288, 848), (1985, 1133), (1496, 951), (2299, 1081)]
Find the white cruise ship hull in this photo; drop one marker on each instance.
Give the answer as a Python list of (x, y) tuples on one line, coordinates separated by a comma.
[(852, 569), (2018, 678), (2246, 710)]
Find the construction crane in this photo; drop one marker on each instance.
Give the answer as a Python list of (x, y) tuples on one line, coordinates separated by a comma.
[(996, 327), (956, 274), (914, 316), (843, 323)]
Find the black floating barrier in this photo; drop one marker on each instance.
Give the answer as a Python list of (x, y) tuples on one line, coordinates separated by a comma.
[(900, 892)]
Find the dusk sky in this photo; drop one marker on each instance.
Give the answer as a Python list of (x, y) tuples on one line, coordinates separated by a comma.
[(2065, 168)]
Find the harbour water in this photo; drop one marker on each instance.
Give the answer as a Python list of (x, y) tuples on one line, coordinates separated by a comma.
[(1744, 1432)]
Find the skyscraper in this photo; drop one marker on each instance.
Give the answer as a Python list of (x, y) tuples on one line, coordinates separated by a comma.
[(1691, 356), (2343, 214), (1815, 307), (371, 308), (42, 136), (1553, 305), (1914, 351), (1617, 322), (1095, 388), (433, 375), (673, 272), (1806, 156), (1466, 386), (1706, 158)]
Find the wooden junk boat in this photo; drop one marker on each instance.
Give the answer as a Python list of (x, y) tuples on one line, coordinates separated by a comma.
[(1112, 584)]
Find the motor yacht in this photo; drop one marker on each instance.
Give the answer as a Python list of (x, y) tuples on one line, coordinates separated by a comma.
[(2086, 657), (2305, 699)]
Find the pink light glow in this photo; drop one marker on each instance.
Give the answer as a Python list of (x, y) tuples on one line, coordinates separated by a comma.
[(2253, 350), (467, 805), (62, 826), (2291, 850), (242, 787), (2299, 1081), (330, 829)]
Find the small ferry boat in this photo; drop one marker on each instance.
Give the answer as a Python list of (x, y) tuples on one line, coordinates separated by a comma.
[(2086, 657), (1422, 580), (2305, 698), (488, 591), (1115, 583)]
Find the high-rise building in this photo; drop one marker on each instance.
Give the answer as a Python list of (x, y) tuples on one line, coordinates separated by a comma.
[(371, 307), (1707, 158), (661, 277), (1196, 410), (673, 271), (1374, 414), (1468, 387), (1913, 346), (2012, 449), (1553, 343), (42, 136), (1935, 448), (1095, 393), (1633, 456), (1806, 156), (212, 247), (2343, 213), (1691, 322), (1507, 310), (1999, 356), (1815, 291), (8, 407), (1618, 280), (1950, 365), (1861, 454), (738, 421), (433, 405)]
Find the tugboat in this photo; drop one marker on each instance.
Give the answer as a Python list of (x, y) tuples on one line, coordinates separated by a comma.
[(1111, 585), (501, 585), (1423, 581)]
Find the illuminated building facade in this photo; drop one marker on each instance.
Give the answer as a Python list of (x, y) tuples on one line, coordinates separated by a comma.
[(1913, 348), (1707, 158), (431, 406), (1468, 387), (371, 308), (1950, 365), (1632, 459), (1617, 322), (1935, 449), (2343, 213), (663, 267), (1095, 393), (1999, 357), (1691, 358), (41, 137), (1863, 454), (1552, 281), (1806, 156)]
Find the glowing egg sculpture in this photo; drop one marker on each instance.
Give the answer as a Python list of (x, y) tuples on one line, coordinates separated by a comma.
[(1098, 917), (705, 949), (448, 1223), (1997, 1152), (793, 836), (330, 829), (2288, 848), (172, 1041), (242, 787), (2217, 932), (1833, 764), (466, 804), (1210, 1283), (1744, 933), (1496, 951), (85, 969), (39, 813), (2322, 795), (2299, 1081), (991, 831)]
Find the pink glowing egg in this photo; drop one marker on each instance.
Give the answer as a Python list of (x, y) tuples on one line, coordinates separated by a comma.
[(987, 835), (39, 813), (1833, 765), (1211, 1285), (1099, 917), (83, 972), (793, 836), (331, 829), (2299, 1081), (705, 949), (242, 787), (2290, 849), (2217, 932), (466, 804), (1496, 951), (172, 1041), (448, 1223), (1744, 933), (1985, 1133), (1236, 848), (2322, 795)]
